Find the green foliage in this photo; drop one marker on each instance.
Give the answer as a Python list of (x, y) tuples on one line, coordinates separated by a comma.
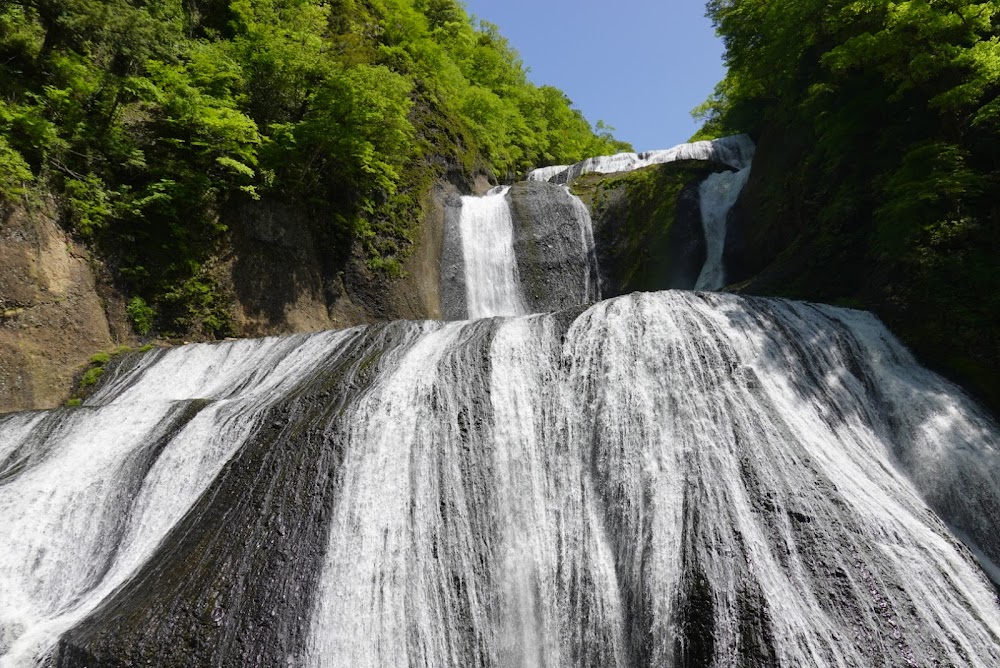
[(91, 376), (883, 120), (95, 370), (141, 314), (150, 118), (15, 174), (643, 205), (89, 203), (100, 358)]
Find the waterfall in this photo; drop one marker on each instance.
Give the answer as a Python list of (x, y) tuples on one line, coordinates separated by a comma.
[(526, 249), (87, 495), (660, 479), (717, 194), (492, 284), (736, 151), (673, 478), (591, 271)]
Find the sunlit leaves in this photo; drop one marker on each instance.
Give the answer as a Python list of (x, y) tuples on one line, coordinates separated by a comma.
[(933, 182), (149, 117)]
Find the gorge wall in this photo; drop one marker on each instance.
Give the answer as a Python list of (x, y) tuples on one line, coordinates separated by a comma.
[(56, 310), (59, 305)]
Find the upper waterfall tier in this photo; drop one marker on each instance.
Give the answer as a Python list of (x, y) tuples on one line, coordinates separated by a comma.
[(717, 196), (528, 248), (736, 151), (669, 478), (492, 284)]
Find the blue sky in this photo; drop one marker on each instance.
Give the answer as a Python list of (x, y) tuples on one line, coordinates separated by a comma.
[(638, 65)]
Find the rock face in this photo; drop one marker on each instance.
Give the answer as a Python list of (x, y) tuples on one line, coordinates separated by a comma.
[(286, 278), (282, 277), (276, 271), (452, 278), (553, 243), (54, 314), (648, 232)]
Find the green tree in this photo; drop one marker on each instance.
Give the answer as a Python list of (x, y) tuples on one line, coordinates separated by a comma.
[(884, 120)]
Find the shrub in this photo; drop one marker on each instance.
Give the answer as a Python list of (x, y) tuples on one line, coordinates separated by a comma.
[(141, 314)]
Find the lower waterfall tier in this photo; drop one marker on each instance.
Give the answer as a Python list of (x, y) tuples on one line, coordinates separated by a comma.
[(663, 479)]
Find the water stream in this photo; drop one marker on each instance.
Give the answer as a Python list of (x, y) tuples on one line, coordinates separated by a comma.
[(662, 479)]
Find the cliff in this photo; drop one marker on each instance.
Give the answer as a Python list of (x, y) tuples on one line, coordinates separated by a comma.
[(56, 309), (59, 304)]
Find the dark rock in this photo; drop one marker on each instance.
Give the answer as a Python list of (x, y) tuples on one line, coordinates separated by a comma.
[(452, 272), (648, 233), (553, 262)]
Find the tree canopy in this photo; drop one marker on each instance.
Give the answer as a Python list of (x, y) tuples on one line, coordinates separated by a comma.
[(147, 117), (889, 113)]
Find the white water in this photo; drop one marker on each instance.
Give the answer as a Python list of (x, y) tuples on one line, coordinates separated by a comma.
[(492, 277), (492, 283), (546, 173), (717, 196), (513, 493), (718, 193), (736, 151), (591, 272), (85, 502)]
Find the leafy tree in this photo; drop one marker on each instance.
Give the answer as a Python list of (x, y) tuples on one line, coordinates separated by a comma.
[(149, 117), (889, 119)]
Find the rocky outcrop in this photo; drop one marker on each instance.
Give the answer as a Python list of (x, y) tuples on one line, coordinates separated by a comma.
[(276, 271), (286, 277), (280, 274), (647, 226), (452, 275), (54, 312), (553, 247)]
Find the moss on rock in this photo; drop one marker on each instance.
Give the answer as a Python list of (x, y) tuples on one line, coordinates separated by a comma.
[(647, 225)]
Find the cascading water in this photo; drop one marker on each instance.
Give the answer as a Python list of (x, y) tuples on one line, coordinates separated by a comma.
[(673, 478), (492, 284), (677, 478), (540, 257), (591, 273), (736, 151), (717, 195), (87, 495)]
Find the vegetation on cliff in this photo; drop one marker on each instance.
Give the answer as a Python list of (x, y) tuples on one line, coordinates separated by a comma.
[(877, 174), (647, 226), (147, 119)]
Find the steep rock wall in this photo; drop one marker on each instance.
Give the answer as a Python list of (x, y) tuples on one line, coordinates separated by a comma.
[(552, 256), (278, 272), (54, 312), (647, 226), (285, 277)]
